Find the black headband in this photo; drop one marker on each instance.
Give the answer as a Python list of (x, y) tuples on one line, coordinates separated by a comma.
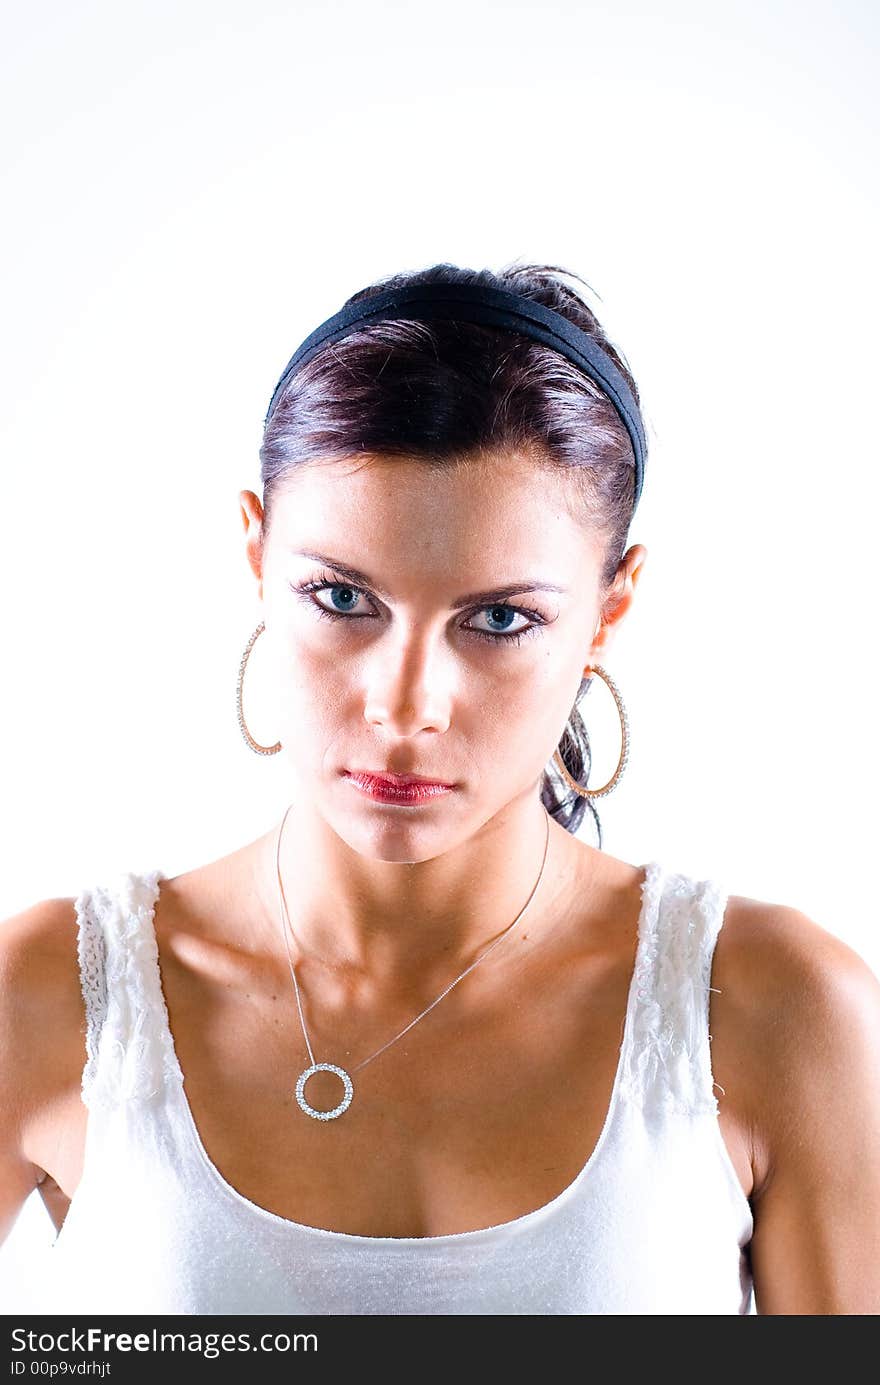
[(493, 308)]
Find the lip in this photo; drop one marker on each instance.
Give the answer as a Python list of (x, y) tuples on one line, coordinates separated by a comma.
[(398, 780), (402, 789)]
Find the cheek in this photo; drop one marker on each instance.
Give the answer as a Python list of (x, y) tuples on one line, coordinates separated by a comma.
[(310, 688), (517, 716)]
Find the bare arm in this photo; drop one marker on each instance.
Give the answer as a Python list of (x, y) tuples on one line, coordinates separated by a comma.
[(816, 1244), (42, 1044)]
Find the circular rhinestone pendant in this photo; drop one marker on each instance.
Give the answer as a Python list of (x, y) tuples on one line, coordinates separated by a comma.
[(337, 1110)]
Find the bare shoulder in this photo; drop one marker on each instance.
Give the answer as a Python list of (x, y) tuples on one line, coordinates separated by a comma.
[(799, 1016), (802, 1004), (42, 1028), (795, 976), (41, 1001), (765, 936)]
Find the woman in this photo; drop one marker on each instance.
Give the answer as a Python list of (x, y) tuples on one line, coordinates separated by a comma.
[(441, 1055)]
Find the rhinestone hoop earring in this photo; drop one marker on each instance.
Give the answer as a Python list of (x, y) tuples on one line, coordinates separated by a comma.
[(254, 745), (624, 747)]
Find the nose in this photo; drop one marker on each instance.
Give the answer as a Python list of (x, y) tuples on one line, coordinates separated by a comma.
[(405, 694)]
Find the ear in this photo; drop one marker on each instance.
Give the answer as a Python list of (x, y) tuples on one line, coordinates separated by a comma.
[(252, 519), (617, 602)]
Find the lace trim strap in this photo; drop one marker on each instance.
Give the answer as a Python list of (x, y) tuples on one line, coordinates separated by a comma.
[(668, 1061), (91, 954), (130, 1051)]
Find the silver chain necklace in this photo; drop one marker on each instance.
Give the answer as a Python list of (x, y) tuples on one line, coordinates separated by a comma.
[(334, 1067)]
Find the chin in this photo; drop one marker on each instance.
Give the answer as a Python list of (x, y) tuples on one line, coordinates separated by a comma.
[(397, 838)]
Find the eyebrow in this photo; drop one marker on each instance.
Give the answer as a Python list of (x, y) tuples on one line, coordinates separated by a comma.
[(353, 574)]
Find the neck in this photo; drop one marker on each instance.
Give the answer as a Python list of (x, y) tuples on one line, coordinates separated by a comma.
[(396, 920)]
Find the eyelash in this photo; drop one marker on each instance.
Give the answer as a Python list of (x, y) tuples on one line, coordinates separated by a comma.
[(306, 590)]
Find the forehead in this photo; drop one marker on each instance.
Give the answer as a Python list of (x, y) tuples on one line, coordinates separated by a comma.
[(508, 501)]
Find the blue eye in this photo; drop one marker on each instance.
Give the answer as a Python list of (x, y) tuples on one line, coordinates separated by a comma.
[(498, 612), (346, 601)]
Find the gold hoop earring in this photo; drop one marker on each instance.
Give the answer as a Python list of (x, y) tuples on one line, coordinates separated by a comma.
[(624, 747), (254, 745)]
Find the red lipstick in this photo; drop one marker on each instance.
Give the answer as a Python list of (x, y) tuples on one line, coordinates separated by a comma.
[(403, 789)]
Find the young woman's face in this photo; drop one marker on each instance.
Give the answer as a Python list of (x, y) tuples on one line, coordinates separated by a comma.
[(456, 655)]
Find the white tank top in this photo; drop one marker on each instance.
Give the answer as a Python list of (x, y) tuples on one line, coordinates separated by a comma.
[(656, 1221)]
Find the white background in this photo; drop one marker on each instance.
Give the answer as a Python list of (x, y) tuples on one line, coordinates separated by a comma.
[(190, 188)]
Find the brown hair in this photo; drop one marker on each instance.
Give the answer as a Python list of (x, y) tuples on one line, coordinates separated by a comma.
[(442, 390)]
